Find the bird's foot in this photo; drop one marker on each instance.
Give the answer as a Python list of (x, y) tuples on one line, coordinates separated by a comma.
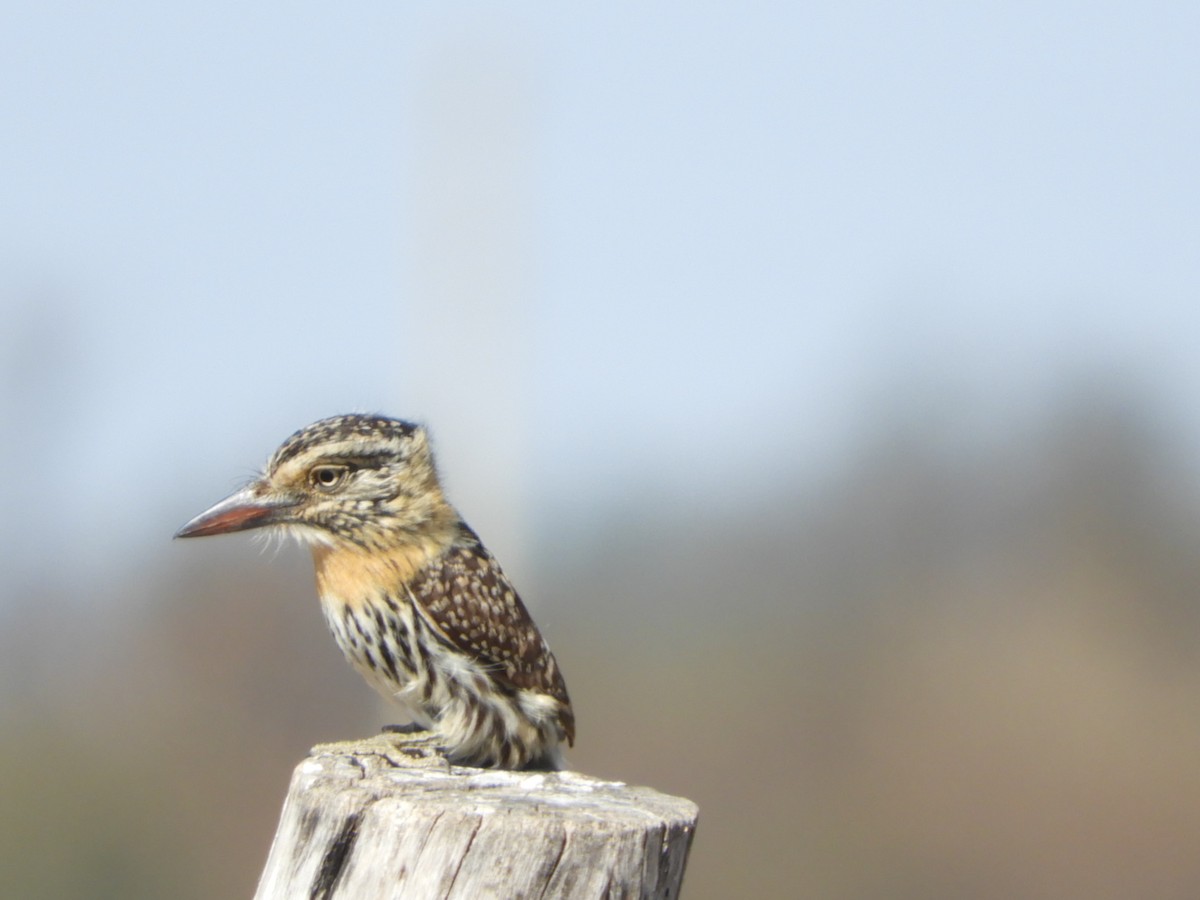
[(417, 742)]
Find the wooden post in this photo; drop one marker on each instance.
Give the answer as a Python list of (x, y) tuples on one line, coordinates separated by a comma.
[(389, 817)]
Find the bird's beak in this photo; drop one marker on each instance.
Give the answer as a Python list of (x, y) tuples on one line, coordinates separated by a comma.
[(251, 507)]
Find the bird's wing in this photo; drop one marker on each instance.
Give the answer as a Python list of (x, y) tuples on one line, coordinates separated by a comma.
[(470, 600)]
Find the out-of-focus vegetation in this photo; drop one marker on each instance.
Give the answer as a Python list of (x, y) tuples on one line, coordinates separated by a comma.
[(953, 669)]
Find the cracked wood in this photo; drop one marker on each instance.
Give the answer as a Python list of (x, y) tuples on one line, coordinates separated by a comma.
[(390, 817)]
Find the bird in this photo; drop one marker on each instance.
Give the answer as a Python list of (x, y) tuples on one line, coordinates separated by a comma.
[(413, 598)]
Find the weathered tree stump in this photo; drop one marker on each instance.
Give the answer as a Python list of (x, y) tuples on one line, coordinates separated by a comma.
[(389, 817)]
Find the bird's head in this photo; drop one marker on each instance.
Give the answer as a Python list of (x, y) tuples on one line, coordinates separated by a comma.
[(365, 481)]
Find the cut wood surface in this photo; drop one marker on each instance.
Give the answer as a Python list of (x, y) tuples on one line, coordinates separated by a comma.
[(388, 817)]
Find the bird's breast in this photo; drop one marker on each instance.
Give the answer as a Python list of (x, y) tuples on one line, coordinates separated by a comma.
[(368, 610)]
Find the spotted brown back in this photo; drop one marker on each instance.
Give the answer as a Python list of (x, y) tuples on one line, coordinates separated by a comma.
[(472, 603)]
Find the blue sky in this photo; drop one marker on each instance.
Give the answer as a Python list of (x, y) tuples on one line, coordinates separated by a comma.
[(693, 243)]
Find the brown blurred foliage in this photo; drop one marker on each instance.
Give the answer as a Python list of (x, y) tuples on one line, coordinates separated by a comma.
[(956, 668)]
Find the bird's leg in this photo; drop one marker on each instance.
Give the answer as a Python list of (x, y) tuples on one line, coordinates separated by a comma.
[(406, 728)]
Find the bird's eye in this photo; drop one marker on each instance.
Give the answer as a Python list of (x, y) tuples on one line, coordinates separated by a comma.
[(328, 478)]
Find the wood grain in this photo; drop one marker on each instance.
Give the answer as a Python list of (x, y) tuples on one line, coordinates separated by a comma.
[(388, 817)]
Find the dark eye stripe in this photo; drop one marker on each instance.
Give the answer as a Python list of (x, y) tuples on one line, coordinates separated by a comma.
[(359, 460)]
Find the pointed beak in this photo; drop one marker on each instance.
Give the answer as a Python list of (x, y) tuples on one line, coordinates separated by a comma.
[(251, 507)]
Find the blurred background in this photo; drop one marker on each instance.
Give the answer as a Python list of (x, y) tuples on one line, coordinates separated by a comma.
[(825, 376)]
